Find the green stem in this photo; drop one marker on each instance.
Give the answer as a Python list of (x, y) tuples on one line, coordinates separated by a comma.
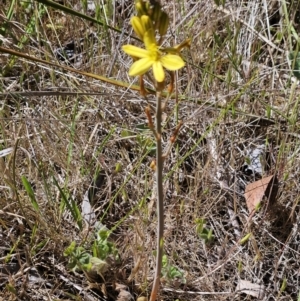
[(160, 198)]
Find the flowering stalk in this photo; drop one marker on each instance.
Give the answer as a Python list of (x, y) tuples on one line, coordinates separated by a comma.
[(150, 20), (160, 198)]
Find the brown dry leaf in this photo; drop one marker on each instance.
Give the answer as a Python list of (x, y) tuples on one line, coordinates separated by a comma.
[(252, 289), (124, 294), (266, 187)]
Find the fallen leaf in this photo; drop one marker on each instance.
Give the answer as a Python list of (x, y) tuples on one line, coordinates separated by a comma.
[(124, 294), (98, 265), (252, 289), (6, 151), (256, 191)]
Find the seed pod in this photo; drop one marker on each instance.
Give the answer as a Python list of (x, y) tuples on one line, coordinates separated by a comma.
[(163, 24), (156, 14), (186, 43)]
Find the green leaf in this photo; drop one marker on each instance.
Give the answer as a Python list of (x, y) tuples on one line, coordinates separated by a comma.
[(240, 266), (283, 285), (11, 289), (164, 261), (72, 264), (248, 160), (269, 111), (84, 258), (30, 193), (175, 273), (279, 37), (207, 235), (118, 167), (103, 234), (210, 235), (245, 238), (71, 205), (8, 16), (200, 225), (295, 60), (126, 133), (70, 249), (142, 127)]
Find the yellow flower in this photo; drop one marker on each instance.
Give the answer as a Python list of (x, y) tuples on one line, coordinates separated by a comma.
[(152, 57)]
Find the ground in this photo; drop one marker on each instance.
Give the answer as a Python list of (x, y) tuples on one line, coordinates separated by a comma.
[(76, 182)]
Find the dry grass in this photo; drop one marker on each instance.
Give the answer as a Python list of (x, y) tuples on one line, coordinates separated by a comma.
[(236, 93)]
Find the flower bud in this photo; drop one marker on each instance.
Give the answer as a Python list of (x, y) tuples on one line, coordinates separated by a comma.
[(140, 7), (146, 21), (138, 27), (153, 165), (148, 7)]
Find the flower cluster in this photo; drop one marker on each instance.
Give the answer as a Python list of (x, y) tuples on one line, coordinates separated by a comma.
[(150, 20)]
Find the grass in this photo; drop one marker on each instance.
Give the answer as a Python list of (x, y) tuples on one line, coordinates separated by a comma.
[(72, 128)]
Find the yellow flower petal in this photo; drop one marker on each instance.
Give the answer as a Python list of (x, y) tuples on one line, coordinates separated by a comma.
[(158, 71), (135, 51), (140, 67), (172, 62)]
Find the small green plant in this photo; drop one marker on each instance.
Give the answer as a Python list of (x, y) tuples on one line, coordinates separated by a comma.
[(171, 273), (79, 258), (102, 247), (203, 232), (85, 259)]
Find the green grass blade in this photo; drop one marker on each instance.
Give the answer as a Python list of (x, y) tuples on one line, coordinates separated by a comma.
[(30, 193), (71, 205), (29, 31), (9, 16), (72, 132)]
